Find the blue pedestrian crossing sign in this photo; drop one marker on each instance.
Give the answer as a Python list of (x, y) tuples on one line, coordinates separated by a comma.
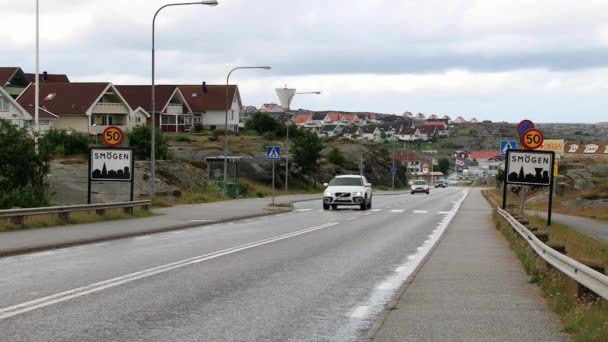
[(393, 170), (273, 152), (506, 145)]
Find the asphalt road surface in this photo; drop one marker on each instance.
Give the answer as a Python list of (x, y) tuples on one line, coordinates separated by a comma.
[(305, 275)]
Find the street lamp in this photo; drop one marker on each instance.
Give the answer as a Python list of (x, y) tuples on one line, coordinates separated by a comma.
[(287, 146), (153, 114), (228, 105)]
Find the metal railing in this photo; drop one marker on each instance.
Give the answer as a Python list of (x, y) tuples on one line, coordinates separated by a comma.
[(17, 216), (582, 274)]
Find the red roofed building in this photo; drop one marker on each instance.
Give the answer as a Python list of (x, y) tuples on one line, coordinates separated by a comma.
[(301, 119), (209, 108), (271, 108), (483, 155), (80, 106)]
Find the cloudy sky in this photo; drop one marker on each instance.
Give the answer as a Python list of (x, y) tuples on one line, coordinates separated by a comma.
[(546, 60)]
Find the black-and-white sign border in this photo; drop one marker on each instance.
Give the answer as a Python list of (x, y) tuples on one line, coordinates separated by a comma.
[(550, 154), (111, 149)]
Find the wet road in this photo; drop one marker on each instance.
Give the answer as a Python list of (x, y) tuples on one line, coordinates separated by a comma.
[(305, 275)]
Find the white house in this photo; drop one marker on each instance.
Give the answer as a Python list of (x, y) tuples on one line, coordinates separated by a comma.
[(81, 107), (12, 111), (209, 102)]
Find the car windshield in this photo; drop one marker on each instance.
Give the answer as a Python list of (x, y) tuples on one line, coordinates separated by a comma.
[(419, 182), (346, 181)]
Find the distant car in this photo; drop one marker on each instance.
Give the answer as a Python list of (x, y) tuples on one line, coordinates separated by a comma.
[(348, 190), (441, 185), (420, 186)]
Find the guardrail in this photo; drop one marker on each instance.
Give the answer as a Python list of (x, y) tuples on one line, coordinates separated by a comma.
[(589, 278), (17, 216)]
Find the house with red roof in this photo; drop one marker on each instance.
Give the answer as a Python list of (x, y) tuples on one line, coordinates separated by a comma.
[(81, 107), (13, 80), (408, 134), (209, 104), (483, 155), (460, 120), (271, 108), (173, 113), (301, 119), (13, 112)]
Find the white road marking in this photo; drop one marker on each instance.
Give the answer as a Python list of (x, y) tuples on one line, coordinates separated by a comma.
[(420, 211), (141, 237), (400, 269), (351, 218), (302, 210), (426, 241), (360, 312), (444, 212), (397, 211), (321, 210), (366, 214), (100, 244), (196, 220), (96, 287), (376, 210), (178, 231), (384, 285), (411, 257)]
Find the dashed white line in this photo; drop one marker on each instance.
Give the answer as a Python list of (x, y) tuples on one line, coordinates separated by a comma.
[(444, 212), (397, 211), (384, 285), (351, 218), (420, 211), (100, 244), (141, 237), (197, 220), (302, 210), (376, 210), (178, 231)]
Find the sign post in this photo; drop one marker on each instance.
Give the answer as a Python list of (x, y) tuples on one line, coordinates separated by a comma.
[(273, 153), (535, 168), (111, 165)]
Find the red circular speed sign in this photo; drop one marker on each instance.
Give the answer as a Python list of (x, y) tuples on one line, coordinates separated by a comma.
[(112, 136), (532, 139)]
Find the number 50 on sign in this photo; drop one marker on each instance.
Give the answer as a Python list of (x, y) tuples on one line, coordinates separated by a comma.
[(112, 136), (532, 139)]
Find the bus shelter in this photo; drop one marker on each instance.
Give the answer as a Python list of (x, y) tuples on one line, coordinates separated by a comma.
[(215, 173)]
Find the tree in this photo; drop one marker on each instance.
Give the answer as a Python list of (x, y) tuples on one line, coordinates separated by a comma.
[(23, 175), (261, 123), (306, 149), (139, 139), (336, 157), (444, 166)]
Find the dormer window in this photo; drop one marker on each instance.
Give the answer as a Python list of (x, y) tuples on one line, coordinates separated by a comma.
[(50, 96)]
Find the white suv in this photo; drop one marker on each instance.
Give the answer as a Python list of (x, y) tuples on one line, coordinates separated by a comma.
[(348, 190)]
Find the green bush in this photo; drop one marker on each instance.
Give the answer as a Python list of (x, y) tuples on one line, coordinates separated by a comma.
[(262, 123), (140, 140), (62, 142), (23, 181), (215, 135), (336, 157), (268, 135)]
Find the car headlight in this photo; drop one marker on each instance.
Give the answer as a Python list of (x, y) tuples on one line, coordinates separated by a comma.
[(327, 193), (358, 193)]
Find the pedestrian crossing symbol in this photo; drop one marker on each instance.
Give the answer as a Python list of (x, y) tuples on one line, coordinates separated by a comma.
[(506, 145), (273, 153)]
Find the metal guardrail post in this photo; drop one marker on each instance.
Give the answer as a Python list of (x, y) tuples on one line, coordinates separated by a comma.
[(590, 276)]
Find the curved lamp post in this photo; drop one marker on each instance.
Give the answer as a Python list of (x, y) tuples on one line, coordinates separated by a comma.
[(153, 114), (228, 105), (287, 146)]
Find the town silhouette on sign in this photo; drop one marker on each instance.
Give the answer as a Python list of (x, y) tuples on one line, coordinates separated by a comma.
[(112, 174), (541, 177)]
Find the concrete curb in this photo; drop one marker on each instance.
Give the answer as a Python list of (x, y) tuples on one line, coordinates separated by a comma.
[(64, 244)]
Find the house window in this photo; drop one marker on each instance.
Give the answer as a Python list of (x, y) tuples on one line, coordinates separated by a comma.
[(50, 96), (3, 104), (104, 120), (110, 121), (138, 119)]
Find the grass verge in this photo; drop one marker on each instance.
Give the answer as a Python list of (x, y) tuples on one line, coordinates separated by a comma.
[(43, 221), (584, 319)]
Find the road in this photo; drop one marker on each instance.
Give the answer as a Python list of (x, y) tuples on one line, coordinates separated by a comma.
[(304, 275)]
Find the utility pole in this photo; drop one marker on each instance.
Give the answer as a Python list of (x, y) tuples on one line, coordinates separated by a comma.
[(393, 173)]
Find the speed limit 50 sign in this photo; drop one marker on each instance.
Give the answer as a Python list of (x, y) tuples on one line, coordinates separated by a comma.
[(112, 136), (532, 139)]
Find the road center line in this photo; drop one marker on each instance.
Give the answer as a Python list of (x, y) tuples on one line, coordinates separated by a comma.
[(96, 287), (420, 211)]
